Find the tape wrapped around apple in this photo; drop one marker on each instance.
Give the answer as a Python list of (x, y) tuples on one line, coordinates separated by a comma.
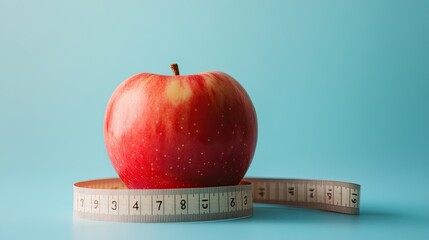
[(180, 131)]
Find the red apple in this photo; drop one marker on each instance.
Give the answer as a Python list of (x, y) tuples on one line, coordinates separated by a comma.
[(180, 131)]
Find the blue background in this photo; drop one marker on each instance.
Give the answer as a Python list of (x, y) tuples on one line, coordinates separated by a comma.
[(341, 90)]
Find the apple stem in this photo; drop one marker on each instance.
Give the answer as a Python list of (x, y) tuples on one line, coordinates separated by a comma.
[(175, 68)]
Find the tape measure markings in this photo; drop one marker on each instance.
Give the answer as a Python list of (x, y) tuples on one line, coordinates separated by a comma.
[(109, 199), (168, 205), (333, 196)]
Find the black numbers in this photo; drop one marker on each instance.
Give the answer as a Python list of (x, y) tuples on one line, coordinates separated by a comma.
[(232, 203), (354, 198), (159, 205), (114, 205), (245, 199), (95, 204), (291, 191), (329, 195), (205, 204), (311, 192), (81, 202), (262, 192), (136, 206), (183, 204)]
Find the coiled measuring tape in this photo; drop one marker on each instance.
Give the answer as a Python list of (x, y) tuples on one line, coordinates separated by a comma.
[(110, 200)]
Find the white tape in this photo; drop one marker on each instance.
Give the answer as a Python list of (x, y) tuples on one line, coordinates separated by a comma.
[(110, 200), (335, 196)]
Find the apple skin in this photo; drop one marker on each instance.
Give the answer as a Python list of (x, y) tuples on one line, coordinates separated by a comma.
[(180, 131)]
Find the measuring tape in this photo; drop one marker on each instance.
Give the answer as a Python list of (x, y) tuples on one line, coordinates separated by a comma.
[(110, 200)]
